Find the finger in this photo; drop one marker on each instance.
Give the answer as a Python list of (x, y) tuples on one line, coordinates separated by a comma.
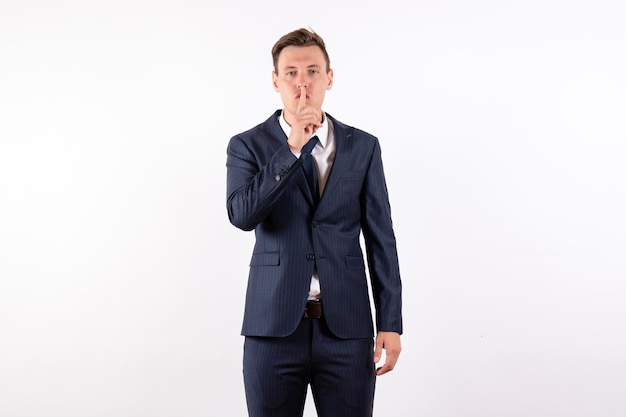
[(302, 102), (378, 352), (383, 370), (390, 363)]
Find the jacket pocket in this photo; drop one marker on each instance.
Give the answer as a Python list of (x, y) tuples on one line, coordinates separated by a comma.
[(265, 258), (355, 262)]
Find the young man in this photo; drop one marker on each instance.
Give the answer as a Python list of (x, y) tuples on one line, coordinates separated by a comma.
[(308, 319)]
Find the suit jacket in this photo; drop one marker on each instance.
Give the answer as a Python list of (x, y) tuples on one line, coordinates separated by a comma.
[(267, 192)]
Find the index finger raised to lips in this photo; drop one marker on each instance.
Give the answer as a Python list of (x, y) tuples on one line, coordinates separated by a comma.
[(302, 102)]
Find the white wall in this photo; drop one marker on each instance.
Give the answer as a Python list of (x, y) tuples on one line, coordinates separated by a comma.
[(502, 126)]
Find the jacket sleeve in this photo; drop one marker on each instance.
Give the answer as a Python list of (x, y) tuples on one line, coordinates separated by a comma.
[(380, 244), (255, 183)]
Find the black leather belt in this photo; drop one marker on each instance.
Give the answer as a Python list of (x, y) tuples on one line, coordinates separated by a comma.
[(313, 309)]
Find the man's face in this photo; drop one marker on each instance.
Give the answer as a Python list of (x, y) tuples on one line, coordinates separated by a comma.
[(302, 69)]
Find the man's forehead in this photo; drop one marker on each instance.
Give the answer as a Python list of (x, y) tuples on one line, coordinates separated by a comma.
[(312, 53), (301, 58)]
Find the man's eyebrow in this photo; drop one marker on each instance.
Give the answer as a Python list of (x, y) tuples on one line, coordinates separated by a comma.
[(290, 67)]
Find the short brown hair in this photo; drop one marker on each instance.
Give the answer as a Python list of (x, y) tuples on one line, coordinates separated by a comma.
[(300, 37)]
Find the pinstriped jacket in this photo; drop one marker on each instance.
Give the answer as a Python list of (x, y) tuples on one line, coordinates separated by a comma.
[(267, 192)]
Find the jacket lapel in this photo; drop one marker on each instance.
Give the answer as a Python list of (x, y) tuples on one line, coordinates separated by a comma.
[(343, 144)]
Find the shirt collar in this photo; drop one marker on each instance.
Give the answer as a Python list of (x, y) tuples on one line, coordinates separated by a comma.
[(321, 132)]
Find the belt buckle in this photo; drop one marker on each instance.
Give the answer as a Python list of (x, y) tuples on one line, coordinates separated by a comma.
[(312, 302)]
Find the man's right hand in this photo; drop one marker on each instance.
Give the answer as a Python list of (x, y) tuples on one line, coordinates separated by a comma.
[(304, 123)]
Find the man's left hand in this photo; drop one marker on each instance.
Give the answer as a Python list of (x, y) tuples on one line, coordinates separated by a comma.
[(390, 341)]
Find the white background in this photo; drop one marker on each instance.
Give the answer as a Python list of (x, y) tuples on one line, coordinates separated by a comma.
[(503, 135)]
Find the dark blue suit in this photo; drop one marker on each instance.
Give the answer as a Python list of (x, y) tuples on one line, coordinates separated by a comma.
[(267, 192)]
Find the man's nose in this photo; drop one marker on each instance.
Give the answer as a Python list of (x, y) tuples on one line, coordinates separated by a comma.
[(303, 82)]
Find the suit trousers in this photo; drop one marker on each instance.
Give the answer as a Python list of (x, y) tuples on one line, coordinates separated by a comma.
[(278, 370)]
